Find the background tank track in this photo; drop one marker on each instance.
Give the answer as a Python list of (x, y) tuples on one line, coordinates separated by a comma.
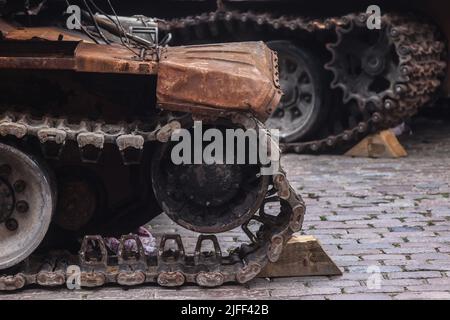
[(421, 65), (169, 268)]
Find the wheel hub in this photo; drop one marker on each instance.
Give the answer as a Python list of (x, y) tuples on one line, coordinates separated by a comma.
[(26, 204), (207, 198), (373, 64), (290, 93), (210, 185), (296, 113)]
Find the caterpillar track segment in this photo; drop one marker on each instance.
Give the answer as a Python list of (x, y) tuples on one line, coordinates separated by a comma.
[(341, 79), (95, 266), (85, 139)]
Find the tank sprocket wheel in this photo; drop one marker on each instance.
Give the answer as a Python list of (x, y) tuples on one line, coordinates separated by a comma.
[(365, 64)]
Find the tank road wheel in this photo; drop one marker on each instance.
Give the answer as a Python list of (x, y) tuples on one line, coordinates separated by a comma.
[(216, 198), (26, 204), (207, 198), (302, 106)]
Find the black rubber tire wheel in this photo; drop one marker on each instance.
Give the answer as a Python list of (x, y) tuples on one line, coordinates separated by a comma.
[(305, 92)]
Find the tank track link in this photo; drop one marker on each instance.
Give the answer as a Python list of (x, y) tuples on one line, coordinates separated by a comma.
[(421, 63), (53, 133), (95, 266)]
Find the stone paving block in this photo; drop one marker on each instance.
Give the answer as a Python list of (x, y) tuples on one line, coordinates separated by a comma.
[(358, 236), (335, 283), (432, 244), (441, 295), (297, 297), (364, 268), (219, 293), (330, 224), (383, 289), (347, 258), (336, 241), (305, 291), (428, 287), (406, 282), (287, 283), (308, 297), (445, 234), (358, 252), (360, 296), (438, 228), (365, 231), (349, 218), (385, 240), (383, 257), (430, 256), (410, 251), (364, 264), (415, 275), (327, 232), (372, 245), (438, 266), (439, 281)]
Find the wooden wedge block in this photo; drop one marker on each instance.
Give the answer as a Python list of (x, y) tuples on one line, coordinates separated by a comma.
[(380, 145), (303, 256)]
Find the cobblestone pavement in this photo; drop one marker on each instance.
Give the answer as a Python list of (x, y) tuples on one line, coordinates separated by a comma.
[(386, 215)]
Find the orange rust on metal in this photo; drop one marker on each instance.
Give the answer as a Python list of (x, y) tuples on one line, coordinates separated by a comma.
[(6, 28), (71, 55), (111, 59), (213, 78), (439, 11), (37, 54), (44, 33)]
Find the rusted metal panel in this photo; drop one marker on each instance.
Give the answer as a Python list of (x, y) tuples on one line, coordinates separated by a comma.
[(6, 27), (70, 55), (207, 78), (37, 55), (111, 59), (45, 33), (56, 48)]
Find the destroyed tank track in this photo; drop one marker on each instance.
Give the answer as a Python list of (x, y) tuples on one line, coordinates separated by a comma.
[(95, 265), (414, 79)]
